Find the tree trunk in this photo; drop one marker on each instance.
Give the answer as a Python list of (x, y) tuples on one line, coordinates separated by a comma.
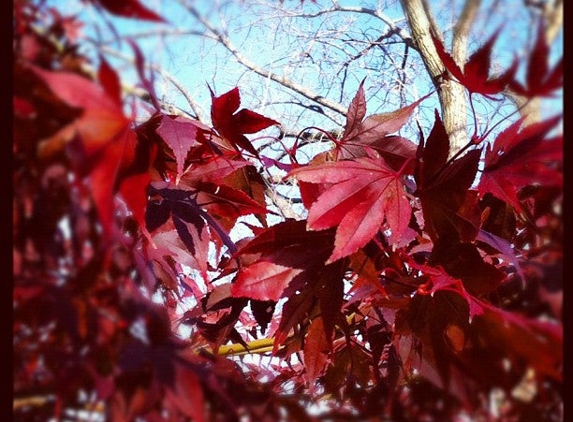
[(451, 94)]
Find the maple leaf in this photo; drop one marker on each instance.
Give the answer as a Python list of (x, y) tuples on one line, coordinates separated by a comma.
[(282, 252), (133, 190), (475, 74), (263, 312), (216, 315), (440, 280), (219, 182), (102, 115), (375, 132), (463, 261), (449, 208), (186, 391), (316, 351), (541, 82), (361, 195), (109, 80), (213, 170), (227, 202), (117, 155), (162, 260), (180, 134), (519, 158), (504, 247), (233, 126), (289, 258), (537, 342), (99, 142), (186, 214), (129, 9)]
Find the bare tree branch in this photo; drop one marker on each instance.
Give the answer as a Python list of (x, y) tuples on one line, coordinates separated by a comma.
[(300, 89), (392, 24)]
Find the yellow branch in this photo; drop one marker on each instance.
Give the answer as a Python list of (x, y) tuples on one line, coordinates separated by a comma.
[(254, 347)]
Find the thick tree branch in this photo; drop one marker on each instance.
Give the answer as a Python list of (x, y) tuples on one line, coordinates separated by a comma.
[(462, 30), (451, 94)]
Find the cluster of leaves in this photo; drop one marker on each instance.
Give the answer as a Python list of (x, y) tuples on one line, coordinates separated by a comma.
[(415, 287)]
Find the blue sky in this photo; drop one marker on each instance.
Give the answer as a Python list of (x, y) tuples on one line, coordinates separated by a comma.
[(196, 62)]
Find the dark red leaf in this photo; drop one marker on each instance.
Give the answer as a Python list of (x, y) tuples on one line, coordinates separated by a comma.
[(147, 82), (539, 343), (463, 261), (504, 247), (186, 393), (440, 280), (227, 202), (129, 9), (283, 252), (248, 121), (263, 312), (331, 297), (475, 76), (540, 81), (356, 112), (117, 155), (316, 351), (23, 108), (373, 131), (450, 209), (233, 126), (109, 80), (295, 310), (289, 262), (523, 157), (133, 190), (433, 153)]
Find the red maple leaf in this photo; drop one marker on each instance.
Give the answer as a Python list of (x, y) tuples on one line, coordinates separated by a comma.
[(100, 142), (521, 157), (233, 126), (180, 134), (186, 392), (102, 115), (541, 82), (475, 74), (282, 252), (213, 170), (360, 195), (316, 351), (449, 207), (375, 132), (440, 280), (129, 9), (286, 259), (538, 343)]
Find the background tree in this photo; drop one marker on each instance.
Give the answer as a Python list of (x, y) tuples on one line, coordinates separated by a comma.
[(341, 44), (163, 271)]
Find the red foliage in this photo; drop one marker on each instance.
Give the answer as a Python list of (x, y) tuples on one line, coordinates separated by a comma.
[(411, 283), (128, 9), (475, 74)]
